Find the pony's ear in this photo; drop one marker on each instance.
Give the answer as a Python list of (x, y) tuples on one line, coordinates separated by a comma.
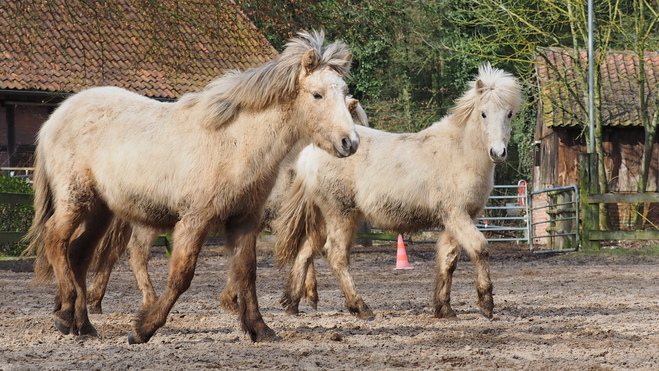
[(348, 57), (309, 61), (352, 105), (479, 85)]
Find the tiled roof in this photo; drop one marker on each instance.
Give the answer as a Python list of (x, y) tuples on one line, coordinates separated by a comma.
[(158, 49), (567, 106)]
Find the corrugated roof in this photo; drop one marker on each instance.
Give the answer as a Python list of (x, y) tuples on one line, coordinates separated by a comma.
[(565, 104), (159, 49)]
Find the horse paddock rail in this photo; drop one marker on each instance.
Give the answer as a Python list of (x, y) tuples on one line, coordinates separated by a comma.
[(555, 219)]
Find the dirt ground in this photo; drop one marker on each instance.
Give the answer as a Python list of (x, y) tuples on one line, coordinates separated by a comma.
[(552, 312)]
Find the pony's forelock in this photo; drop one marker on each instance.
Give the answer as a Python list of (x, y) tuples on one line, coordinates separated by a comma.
[(274, 81), (491, 84)]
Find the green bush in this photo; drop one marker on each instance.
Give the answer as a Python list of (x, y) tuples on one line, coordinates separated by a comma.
[(14, 218)]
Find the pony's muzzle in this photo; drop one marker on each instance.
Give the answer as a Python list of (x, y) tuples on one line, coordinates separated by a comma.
[(498, 156), (348, 146)]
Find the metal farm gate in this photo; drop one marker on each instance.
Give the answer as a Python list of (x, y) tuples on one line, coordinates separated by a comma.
[(554, 223), (506, 215)]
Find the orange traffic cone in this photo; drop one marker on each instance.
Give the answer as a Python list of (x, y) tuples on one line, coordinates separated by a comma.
[(401, 255)]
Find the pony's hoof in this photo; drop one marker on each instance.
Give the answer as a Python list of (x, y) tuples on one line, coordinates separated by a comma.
[(487, 313), (312, 302), (95, 309), (88, 330), (368, 317), (63, 328), (292, 310), (135, 339), (267, 335), (365, 314), (487, 307), (445, 312)]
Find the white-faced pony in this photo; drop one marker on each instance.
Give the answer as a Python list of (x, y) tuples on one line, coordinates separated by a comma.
[(440, 177)]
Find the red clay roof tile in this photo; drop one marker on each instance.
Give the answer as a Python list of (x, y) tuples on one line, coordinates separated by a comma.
[(162, 50), (563, 106)]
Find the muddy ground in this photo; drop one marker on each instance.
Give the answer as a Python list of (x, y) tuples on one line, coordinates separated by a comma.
[(552, 312)]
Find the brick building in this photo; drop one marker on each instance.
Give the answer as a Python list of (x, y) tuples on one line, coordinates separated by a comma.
[(50, 49)]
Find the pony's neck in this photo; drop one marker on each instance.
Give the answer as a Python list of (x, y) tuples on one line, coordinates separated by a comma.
[(280, 131)]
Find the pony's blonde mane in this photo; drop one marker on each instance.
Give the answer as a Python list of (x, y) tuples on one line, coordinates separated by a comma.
[(491, 84), (275, 81)]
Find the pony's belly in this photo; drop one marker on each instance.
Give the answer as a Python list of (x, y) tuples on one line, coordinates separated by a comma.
[(401, 217), (145, 211)]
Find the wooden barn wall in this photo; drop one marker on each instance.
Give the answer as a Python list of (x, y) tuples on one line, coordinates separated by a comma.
[(27, 122), (557, 164), (557, 159)]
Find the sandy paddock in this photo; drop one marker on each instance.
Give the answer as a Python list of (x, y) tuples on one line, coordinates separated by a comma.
[(552, 312)]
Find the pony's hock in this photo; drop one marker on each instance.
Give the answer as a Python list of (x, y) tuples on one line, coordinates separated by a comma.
[(106, 153)]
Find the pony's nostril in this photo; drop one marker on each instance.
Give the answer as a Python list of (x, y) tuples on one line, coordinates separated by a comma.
[(346, 144), (503, 153)]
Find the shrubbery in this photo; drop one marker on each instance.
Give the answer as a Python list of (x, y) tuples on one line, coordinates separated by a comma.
[(14, 218)]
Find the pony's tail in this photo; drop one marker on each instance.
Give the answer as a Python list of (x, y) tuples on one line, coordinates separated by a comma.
[(43, 210), (113, 244), (299, 218)]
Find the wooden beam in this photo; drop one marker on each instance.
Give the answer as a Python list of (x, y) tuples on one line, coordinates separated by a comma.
[(11, 237), (16, 198), (11, 133), (623, 235), (612, 198)]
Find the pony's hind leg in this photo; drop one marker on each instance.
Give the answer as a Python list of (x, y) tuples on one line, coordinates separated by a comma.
[(70, 259), (337, 247), (139, 253), (241, 236), (297, 275), (82, 252), (188, 238), (311, 287), (475, 245), (448, 252), (229, 295), (111, 247)]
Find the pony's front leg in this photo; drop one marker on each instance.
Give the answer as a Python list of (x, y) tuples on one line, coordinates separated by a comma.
[(188, 238), (337, 247), (139, 253), (448, 252), (296, 286), (475, 245)]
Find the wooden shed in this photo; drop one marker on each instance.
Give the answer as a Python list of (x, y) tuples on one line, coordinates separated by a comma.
[(561, 129), (53, 48)]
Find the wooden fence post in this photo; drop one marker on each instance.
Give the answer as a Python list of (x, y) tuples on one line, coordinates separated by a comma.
[(589, 184)]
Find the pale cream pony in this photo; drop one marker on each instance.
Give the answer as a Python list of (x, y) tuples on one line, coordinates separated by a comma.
[(137, 240), (440, 177), (206, 162)]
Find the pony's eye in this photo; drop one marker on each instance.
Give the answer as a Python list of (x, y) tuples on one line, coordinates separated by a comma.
[(483, 115), (510, 114), (316, 95)]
